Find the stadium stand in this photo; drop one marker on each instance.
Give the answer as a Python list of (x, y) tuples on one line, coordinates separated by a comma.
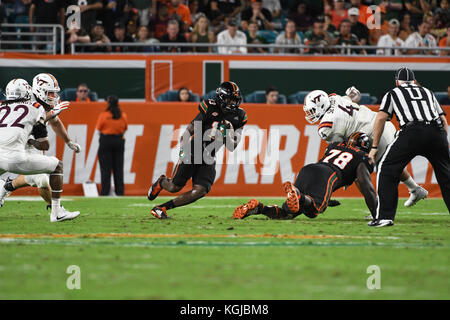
[(259, 96), (172, 95), (70, 94)]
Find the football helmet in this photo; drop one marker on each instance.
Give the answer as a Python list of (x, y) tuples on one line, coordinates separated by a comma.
[(315, 105), (18, 89), (46, 88), (228, 97), (360, 140)]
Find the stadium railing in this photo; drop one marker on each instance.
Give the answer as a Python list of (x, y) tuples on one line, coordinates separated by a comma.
[(344, 50), (18, 37)]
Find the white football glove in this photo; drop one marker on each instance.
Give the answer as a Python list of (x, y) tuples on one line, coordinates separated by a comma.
[(60, 107), (227, 129), (74, 146), (353, 94)]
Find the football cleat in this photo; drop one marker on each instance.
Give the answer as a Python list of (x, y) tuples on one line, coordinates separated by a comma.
[(159, 213), (3, 192), (62, 214), (292, 195), (245, 210), (156, 188), (415, 196), (381, 223)]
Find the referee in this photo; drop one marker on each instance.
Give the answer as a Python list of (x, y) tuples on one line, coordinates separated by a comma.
[(423, 131)]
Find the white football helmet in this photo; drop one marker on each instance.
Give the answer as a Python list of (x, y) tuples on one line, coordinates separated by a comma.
[(315, 105), (18, 89), (46, 88)]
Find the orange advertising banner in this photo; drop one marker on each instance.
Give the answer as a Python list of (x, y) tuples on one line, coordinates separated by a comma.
[(277, 143)]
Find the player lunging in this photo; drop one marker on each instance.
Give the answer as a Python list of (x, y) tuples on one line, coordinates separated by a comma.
[(342, 164), (220, 121), (339, 116), (45, 92), (19, 117)]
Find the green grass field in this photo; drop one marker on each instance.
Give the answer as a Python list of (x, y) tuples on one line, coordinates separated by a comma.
[(202, 253)]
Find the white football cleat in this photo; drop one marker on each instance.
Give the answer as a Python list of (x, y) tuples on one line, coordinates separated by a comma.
[(3, 192), (416, 195), (62, 215)]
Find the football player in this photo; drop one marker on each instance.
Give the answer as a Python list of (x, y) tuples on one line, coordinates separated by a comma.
[(339, 116), (21, 117), (342, 164), (219, 121), (44, 92)]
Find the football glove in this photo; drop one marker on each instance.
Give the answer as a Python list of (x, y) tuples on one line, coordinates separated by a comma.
[(225, 128), (74, 146), (333, 203), (353, 94), (60, 107)]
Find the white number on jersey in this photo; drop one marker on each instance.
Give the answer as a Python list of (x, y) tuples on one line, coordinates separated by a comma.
[(341, 161)]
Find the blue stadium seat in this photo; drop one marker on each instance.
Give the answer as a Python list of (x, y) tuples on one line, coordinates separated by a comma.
[(366, 98), (258, 96), (440, 95), (194, 97), (292, 99), (282, 99), (300, 96), (209, 95), (69, 94), (2, 97), (93, 96), (172, 95)]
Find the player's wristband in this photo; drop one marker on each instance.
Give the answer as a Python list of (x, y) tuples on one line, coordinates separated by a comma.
[(374, 147)]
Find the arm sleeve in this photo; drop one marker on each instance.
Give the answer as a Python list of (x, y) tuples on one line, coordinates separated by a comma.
[(438, 107), (39, 131), (386, 104), (244, 120)]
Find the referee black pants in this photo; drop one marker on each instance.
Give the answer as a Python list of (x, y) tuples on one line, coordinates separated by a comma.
[(111, 156), (416, 140)]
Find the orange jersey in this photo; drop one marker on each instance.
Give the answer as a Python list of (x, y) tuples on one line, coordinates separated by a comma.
[(182, 11), (107, 125)]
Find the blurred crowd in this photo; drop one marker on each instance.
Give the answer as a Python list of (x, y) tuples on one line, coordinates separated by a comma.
[(394, 24)]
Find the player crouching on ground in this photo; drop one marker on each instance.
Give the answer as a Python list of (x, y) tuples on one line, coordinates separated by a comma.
[(342, 164), (21, 118), (219, 121)]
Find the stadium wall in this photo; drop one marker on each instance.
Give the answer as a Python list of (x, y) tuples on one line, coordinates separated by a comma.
[(272, 133), (147, 76)]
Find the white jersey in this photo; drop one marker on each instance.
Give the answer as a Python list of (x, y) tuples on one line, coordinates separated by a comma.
[(16, 123), (345, 117)]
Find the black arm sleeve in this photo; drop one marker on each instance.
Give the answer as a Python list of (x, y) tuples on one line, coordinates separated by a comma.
[(39, 131), (366, 188)]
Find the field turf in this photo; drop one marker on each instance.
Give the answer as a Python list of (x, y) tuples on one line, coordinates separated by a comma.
[(202, 253)]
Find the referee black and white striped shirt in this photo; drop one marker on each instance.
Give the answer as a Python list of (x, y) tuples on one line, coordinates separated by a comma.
[(410, 102)]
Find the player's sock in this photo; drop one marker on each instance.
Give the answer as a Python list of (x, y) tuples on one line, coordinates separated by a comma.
[(56, 203), (9, 186), (168, 205), (411, 184), (272, 212)]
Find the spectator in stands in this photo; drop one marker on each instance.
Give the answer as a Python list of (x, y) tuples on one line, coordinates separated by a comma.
[(132, 29), (98, 36), (274, 6), (194, 8), (416, 8), (328, 25), (213, 14), (202, 34), (338, 13), (364, 11), (75, 34), (113, 11), (421, 39), (446, 100), (144, 9), (346, 38), (158, 23), (442, 15), (394, 9), (258, 14), (46, 12), (89, 10), (391, 40), (229, 8), (254, 38), (271, 95), (445, 42), (184, 94), (180, 12), (405, 27), (232, 36), (143, 36), (302, 19), (112, 124), (21, 9), (318, 38), (83, 93), (358, 29), (173, 36), (120, 36), (288, 36), (376, 33)]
